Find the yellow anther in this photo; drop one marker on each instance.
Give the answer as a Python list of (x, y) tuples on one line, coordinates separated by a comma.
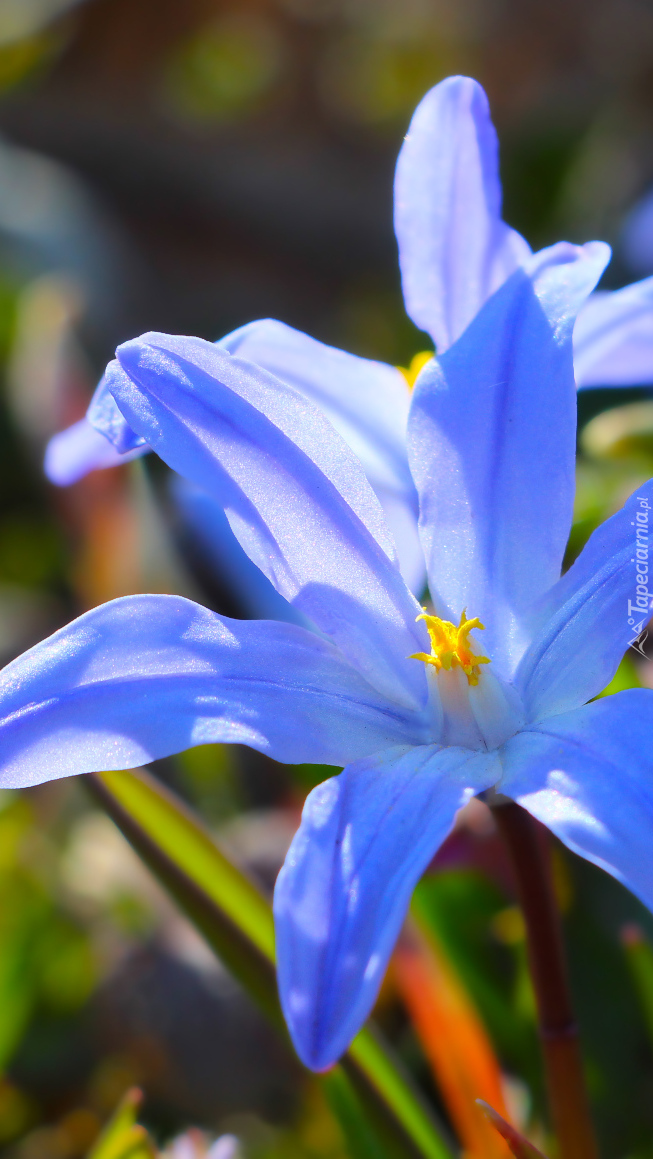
[(418, 362), (450, 646)]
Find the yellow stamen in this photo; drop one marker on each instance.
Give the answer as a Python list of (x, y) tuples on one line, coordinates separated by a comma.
[(418, 362), (450, 646)]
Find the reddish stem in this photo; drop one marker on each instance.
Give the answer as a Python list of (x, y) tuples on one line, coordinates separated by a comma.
[(530, 853)]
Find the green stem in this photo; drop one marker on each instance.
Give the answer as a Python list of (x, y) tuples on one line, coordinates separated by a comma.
[(530, 855)]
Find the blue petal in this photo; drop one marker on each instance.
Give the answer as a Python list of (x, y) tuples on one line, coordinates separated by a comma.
[(588, 775), (295, 495), (102, 439), (207, 525), (613, 337), (72, 453), (104, 414), (366, 401), (454, 249), (492, 440), (636, 241), (145, 676), (365, 839), (401, 519), (588, 619)]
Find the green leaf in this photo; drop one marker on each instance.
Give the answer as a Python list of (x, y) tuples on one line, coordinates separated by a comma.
[(390, 1098), (360, 1136), (123, 1138), (236, 921)]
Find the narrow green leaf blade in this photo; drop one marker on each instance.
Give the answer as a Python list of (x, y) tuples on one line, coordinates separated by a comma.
[(370, 1061), (184, 840), (123, 1138)]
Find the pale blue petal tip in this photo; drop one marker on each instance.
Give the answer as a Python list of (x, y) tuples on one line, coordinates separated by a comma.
[(73, 453)]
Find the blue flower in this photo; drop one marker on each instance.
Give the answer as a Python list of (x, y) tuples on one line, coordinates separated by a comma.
[(424, 709), (454, 252)]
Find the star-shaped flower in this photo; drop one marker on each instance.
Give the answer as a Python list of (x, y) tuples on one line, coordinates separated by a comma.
[(424, 709)]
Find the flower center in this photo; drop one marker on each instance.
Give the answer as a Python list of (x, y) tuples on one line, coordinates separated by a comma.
[(450, 646)]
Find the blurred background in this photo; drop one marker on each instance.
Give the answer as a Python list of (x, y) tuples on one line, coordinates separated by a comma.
[(189, 167)]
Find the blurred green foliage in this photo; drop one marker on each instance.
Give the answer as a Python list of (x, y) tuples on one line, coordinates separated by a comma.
[(48, 968), (226, 69)]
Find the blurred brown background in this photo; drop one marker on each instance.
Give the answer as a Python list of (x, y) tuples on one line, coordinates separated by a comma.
[(240, 155)]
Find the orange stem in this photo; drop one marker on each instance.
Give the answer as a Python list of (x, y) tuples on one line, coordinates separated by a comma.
[(454, 1040)]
